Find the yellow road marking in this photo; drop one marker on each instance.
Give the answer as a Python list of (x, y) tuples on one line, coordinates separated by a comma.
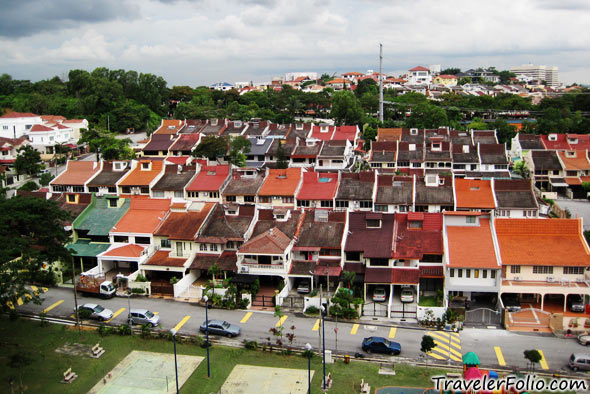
[(116, 314), (19, 301), (445, 340), (155, 313), (45, 289), (446, 348), (354, 329), (438, 357), (281, 321), (52, 306), (181, 323), (543, 361), (35, 290), (499, 355), (10, 304), (316, 326), (445, 354), (392, 332), (28, 296), (246, 317)]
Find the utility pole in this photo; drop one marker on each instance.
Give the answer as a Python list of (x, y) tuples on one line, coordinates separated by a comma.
[(75, 295), (108, 123), (321, 320), (381, 83)]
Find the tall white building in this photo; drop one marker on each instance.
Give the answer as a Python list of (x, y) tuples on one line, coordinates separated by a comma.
[(539, 73)]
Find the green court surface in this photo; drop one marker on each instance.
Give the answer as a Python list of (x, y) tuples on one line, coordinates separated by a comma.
[(147, 373), (404, 390), (250, 379)]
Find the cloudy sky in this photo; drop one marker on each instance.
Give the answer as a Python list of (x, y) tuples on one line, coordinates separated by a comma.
[(196, 42)]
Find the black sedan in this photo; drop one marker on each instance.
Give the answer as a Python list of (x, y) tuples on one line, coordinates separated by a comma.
[(381, 345)]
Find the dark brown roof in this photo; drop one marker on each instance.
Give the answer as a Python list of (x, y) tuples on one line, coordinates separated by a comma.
[(530, 141), (434, 195), (174, 181), (373, 242), (75, 210), (227, 227), (159, 142), (484, 137), (183, 225), (236, 127), (493, 154), (211, 129), (302, 267), (514, 193), (108, 177), (204, 261), (443, 155), (333, 149), (266, 221), (356, 186), (307, 151), (545, 160), (405, 154), (460, 157), (322, 234), (241, 185), (394, 190), (382, 156)]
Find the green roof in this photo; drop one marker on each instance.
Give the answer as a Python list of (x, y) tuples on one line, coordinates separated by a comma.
[(101, 219), (84, 248)]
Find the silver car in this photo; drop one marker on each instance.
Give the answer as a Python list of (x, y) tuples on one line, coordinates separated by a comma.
[(96, 311), (143, 316), (221, 327)]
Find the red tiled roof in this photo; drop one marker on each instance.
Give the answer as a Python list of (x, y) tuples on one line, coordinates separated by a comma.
[(431, 271), (316, 132), (447, 76), (272, 241), (210, 178), (313, 188), (162, 258), (281, 182), (179, 160), (131, 250), (184, 225), (333, 271), (414, 243), (555, 242), (169, 126), (19, 115), (474, 193), (77, 173), (40, 128), (343, 133), (471, 246), (574, 160), (559, 143), (419, 68), (373, 242), (139, 177)]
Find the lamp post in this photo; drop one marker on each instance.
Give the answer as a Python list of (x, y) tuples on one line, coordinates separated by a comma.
[(308, 348), (173, 332), (206, 299), (75, 296), (324, 310)]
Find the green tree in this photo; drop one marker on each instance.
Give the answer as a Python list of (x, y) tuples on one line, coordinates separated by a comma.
[(533, 356), (33, 236), (20, 361), (451, 71), (464, 80), (282, 161), (477, 124), (427, 116), (427, 344), (105, 143), (348, 278), (211, 147), (346, 108), (28, 161), (238, 147), (45, 179), (181, 93), (521, 169), (368, 85), (29, 186)]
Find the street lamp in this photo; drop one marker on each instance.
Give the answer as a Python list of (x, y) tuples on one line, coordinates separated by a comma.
[(324, 310), (173, 332), (206, 299), (308, 348)]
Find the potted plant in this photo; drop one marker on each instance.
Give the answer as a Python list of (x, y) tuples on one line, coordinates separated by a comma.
[(587, 323)]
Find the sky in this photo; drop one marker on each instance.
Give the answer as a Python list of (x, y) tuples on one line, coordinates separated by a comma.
[(200, 42)]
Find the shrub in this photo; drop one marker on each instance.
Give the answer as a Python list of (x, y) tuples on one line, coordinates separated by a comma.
[(84, 313), (45, 277), (140, 278), (124, 329), (173, 280), (307, 353), (104, 330), (312, 310), (146, 330), (43, 319), (244, 302), (45, 179), (29, 186), (137, 291), (250, 345)]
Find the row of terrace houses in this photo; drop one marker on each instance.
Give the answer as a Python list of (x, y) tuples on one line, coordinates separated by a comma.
[(299, 188), (473, 254)]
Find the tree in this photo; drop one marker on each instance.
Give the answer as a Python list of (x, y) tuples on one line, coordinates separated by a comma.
[(368, 85), (533, 356), (29, 186), (427, 344), (105, 143), (464, 80), (28, 161), (427, 116), (45, 179), (521, 169), (348, 278), (477, 124), (346, 108), (238, 147), (211, 147), (451, 71), (32, 238), (282, 161)]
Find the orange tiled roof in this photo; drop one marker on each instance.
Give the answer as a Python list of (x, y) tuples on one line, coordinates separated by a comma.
[(474, 193), (472, 246), (281, 182), (389, 134), (131, 250), (143, 217), (139, 177), (184, 225), (77, 173), (578, 162), (169, 126), (556, 242), (162, 258)]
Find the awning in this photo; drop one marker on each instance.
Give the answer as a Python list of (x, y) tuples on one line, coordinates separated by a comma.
[(573, 181), (332, 271), (306, 248), (557, 182), (84, 248)]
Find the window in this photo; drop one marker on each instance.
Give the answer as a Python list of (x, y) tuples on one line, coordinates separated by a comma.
[(379, 262), (93, 189), (416, 224), (145, 166), (113, 202), (373, 223), (264, 199), (193, 194), (326, 203), (403, 163), (493, 274), (287, 200), (416, 165), (126, 190), (303, 203), (121, 238), (353, 256), (381, 208), (213, 247), (213, 194), (78, 189), (341, 204), (573, 270), (459, 273), (4, 127), (230, 198), (515, 269), (542, 269), (248, 198), (203, 247), (158, 193), (470, 219), (468, 273), (179, 248), (366, 204), (452, 272), (484, 274), (144, 190), (165, 243), (476, 274), (179, 194), (72, 198), (112, 189), (143, 240)]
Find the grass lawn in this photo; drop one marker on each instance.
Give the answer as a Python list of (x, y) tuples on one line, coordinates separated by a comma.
[(43, 375), (429, 301)]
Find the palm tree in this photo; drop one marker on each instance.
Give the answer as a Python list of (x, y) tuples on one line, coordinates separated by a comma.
[(348, 278), (521, 169)]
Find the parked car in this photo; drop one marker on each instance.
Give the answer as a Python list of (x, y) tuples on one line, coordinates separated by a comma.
[(512, 304), (304, 286), (579, 361), (575, 303), (379, 294), (95, 311), (407, 295), (221, 327), (381, 345), (584, 339), (143, 316)]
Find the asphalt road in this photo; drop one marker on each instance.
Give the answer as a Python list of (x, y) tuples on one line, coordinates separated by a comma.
[(496, 348)]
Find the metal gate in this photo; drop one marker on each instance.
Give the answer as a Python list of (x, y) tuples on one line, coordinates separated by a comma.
[(375, 309), (483, 316), (404, 310), (263, 301), (162, 289), (292, 302)]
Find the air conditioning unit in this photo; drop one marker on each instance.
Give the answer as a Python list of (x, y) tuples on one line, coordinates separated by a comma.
[(551, 279), (244, 270), (517, 278)]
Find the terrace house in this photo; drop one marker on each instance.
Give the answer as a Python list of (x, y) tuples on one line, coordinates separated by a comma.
[(356, 191), (243, 186), (75, 177), (515, 198), (394, 194), (105, 182), (433, 193), (208, 183), (317, 190), (142, 176), (280, 188)]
